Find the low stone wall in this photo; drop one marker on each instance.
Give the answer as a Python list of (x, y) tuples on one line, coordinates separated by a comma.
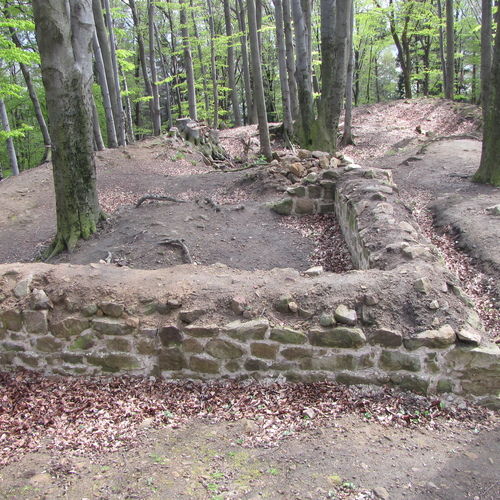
[(98, 329)]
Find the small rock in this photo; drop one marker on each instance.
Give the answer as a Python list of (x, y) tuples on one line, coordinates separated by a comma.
[(311, 178), (191, 316), (423, 285), (381, 492), (494, 210), (345, 315), (23, 287), (293, 307), (309, 412), (434, 305), (238, 304), (297, 169), (39, 300), (314, 271), (371, 300), (282, 304), (326, 320), (469, 336), (112, 309)]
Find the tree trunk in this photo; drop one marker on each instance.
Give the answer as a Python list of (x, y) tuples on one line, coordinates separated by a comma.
[(450, 51), (231, 66), (108, 51), (165, 75), (347, 137), (489, 169), (96, 126), (486, 18), (155, 103), (213, 65), (303, 77), (265, 143), (251, 111), (334, 33), (11, 150), (441, 45), (64, 32), (188, 63), (128, 111), (290, 59), (285, 90), (106, 99)]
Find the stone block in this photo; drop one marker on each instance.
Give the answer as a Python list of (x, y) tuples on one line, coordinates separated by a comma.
[(12, 320), (112, 309), (48, 343), (345, 315), (29, 359), (248, 330), (192, 345), (444, 337), (294, 353), (119, 344), (299, 191), (147, 346), (395, 360), (85, 341), (222, 349), (288, 336), (327, 208), (203, 365), (386, 338), (171, 359), (35, 321), (232, 366), (69, 327), (114, 362), (13, 346), (314, 192), (410, 382), (339, 362), (444, 385), (338, 337), (304, 206), (264, 350), (72, 358), (201, 331), (254, 365), (110, 326), (358, 379), (170, 335), (190, 316), (282, 207)]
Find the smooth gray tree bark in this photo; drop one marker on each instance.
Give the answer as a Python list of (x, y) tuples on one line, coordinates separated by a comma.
[(258, 87), (11, 150), (188, 63), (347, 137), (290, 59), (486, 19), (155, 103), (450, 51), (235, 102), (213, 64), (98, 141), (64, 31)]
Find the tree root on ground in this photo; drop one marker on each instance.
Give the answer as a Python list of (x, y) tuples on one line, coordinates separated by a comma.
[(157, 197), (179, 243)]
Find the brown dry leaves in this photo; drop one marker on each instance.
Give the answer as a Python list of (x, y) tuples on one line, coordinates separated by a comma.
[(100, 415), (330, 250)]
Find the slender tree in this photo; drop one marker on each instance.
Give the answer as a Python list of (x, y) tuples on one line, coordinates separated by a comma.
[(486, 19), (290, 59), (450, 51), (155, 103), (11, 150), (265, 143), (489, 168), (188, 63), (213, 64), (347, 136), (235, 102), (64, 31)]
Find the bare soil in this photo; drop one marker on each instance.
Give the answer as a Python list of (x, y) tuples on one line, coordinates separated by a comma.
[(206, 460)]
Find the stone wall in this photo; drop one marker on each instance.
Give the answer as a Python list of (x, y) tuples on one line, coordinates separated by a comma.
[(97, 329)]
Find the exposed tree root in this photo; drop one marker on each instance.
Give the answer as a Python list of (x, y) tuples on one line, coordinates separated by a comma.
[(157, 197), (185, 251)]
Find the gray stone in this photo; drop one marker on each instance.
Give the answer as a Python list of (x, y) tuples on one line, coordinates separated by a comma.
[(298, 191), (191, 315), (201, 331), (347, 378), (147, 347), (114, 362), (248, 330), (288, 336), (222, 349), (29, 359), (381, 492), (314, 192), (410, 382), (304, 206), (192, 345), (371, 300), (281, 305), (293, 353), (331, 175), (48, 344), (311, 178), (238, 304), (444, 385), (462, 296), (203, 365), (327, 208), (72, 358), (326, 320), (119, 344), (293, 307), (169, 335), (12, 320), (171, 359), (345, 315), (494, 210), (441, 338), (22, 288), (39, 300), (35, 321), (338, 362), (89, 310), (109, 326), (69, 327), (434, 305), (13, 346), (469, 336), (264, 350), (422, 285), (338, 337), (253, 365), (386, 337), (314, 271), (112, 309), (395, 360), (85, 341), (282, 207)]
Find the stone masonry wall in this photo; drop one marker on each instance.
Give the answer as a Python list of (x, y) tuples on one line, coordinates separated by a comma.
[(58, 334)]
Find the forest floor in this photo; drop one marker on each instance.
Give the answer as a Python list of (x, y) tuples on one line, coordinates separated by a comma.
[(349, 455)]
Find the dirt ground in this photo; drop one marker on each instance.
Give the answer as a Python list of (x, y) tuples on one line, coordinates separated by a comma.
[(206, 461)]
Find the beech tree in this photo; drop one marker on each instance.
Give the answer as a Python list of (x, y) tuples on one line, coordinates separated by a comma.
[(489, 168), (64, 31)]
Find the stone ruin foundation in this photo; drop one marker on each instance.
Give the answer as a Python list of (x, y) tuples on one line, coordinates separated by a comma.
[(399, 319)]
